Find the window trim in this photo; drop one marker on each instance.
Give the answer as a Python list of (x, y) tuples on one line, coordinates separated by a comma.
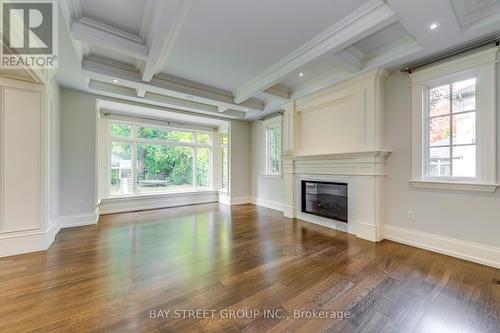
[(134, 141), (268, 125), (483, 66)]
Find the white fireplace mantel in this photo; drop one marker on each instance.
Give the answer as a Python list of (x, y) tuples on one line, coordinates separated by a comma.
[(364, 174), (337, 135)]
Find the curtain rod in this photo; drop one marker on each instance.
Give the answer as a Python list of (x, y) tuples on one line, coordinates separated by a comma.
[(158, 122), (484, 42)]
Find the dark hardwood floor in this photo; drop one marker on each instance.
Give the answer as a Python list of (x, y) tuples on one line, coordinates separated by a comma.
[(115, 276)]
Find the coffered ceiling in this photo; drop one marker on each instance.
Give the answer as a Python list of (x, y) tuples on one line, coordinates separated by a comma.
[(244, 59)]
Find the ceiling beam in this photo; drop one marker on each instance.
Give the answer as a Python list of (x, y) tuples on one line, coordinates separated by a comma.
[(397, 50), (161, 42), (278, 92), (102, 35), (141, 92), (347, 61), (121, 92), (205, 93), (104, 70), (361, 23)]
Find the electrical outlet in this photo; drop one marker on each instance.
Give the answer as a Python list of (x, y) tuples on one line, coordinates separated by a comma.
[(411, 215)]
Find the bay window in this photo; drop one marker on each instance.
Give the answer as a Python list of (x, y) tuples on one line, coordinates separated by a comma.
[(147, 159)]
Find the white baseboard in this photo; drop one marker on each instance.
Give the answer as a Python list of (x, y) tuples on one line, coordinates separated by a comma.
[(27, 241), (367, 231), (479, 253), (70, 221), (226, 199), (155, 201), (268, 204), (241, 201)]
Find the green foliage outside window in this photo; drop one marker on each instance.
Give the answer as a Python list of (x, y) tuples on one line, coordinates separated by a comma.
[(274, 146)]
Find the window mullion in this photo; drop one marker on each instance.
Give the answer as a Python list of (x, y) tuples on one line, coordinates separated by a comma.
[(134, 159), (195, 160), (451, 128)]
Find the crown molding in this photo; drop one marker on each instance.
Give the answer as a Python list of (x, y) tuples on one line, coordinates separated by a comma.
[(398, 49), (364, 21), (96, 33)]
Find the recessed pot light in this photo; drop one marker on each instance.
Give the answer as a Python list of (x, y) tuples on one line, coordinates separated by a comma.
[(433, 26), (115, 81), (301, 74)]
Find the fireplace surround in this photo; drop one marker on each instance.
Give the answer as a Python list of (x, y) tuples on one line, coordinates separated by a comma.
[(364, 174)]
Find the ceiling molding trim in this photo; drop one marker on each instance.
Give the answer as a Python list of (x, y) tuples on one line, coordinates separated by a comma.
[(278, 92), (129, 94), (161, 43), (72, 11), (204, 93), (104, 70), (397, 50), (473, 14), (347, 61), (102, 35), (141, 92), (362, 22), (134, 101)]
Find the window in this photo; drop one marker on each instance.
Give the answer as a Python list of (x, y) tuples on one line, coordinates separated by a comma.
[(451, 125), (273, 147), (154, 159), (225, 159)]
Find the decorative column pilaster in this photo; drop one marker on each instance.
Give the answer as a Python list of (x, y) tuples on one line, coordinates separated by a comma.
[(289, 187)]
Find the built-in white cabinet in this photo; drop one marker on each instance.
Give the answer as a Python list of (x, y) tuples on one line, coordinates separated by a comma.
[(23, 168)]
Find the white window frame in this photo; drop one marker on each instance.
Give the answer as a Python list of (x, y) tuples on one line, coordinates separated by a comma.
[(269, 125), (448, 80), (224, 187), (482, 66), (134, 141)]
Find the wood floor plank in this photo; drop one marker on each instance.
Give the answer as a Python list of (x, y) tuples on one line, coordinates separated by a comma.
[(109, 277)]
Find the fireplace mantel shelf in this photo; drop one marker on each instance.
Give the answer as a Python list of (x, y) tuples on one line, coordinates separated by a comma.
[(341, 156)]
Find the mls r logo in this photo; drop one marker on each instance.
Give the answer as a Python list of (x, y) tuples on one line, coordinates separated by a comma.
[(27, 27)]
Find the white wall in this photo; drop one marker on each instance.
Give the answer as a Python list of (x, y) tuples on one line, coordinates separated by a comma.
[(469, 216), (240, 160), (55, 149), (77, 153), (267, 191)]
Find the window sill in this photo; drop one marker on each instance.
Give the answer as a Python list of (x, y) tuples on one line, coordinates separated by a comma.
[(455, 186), (157, 195), (272, 176)]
